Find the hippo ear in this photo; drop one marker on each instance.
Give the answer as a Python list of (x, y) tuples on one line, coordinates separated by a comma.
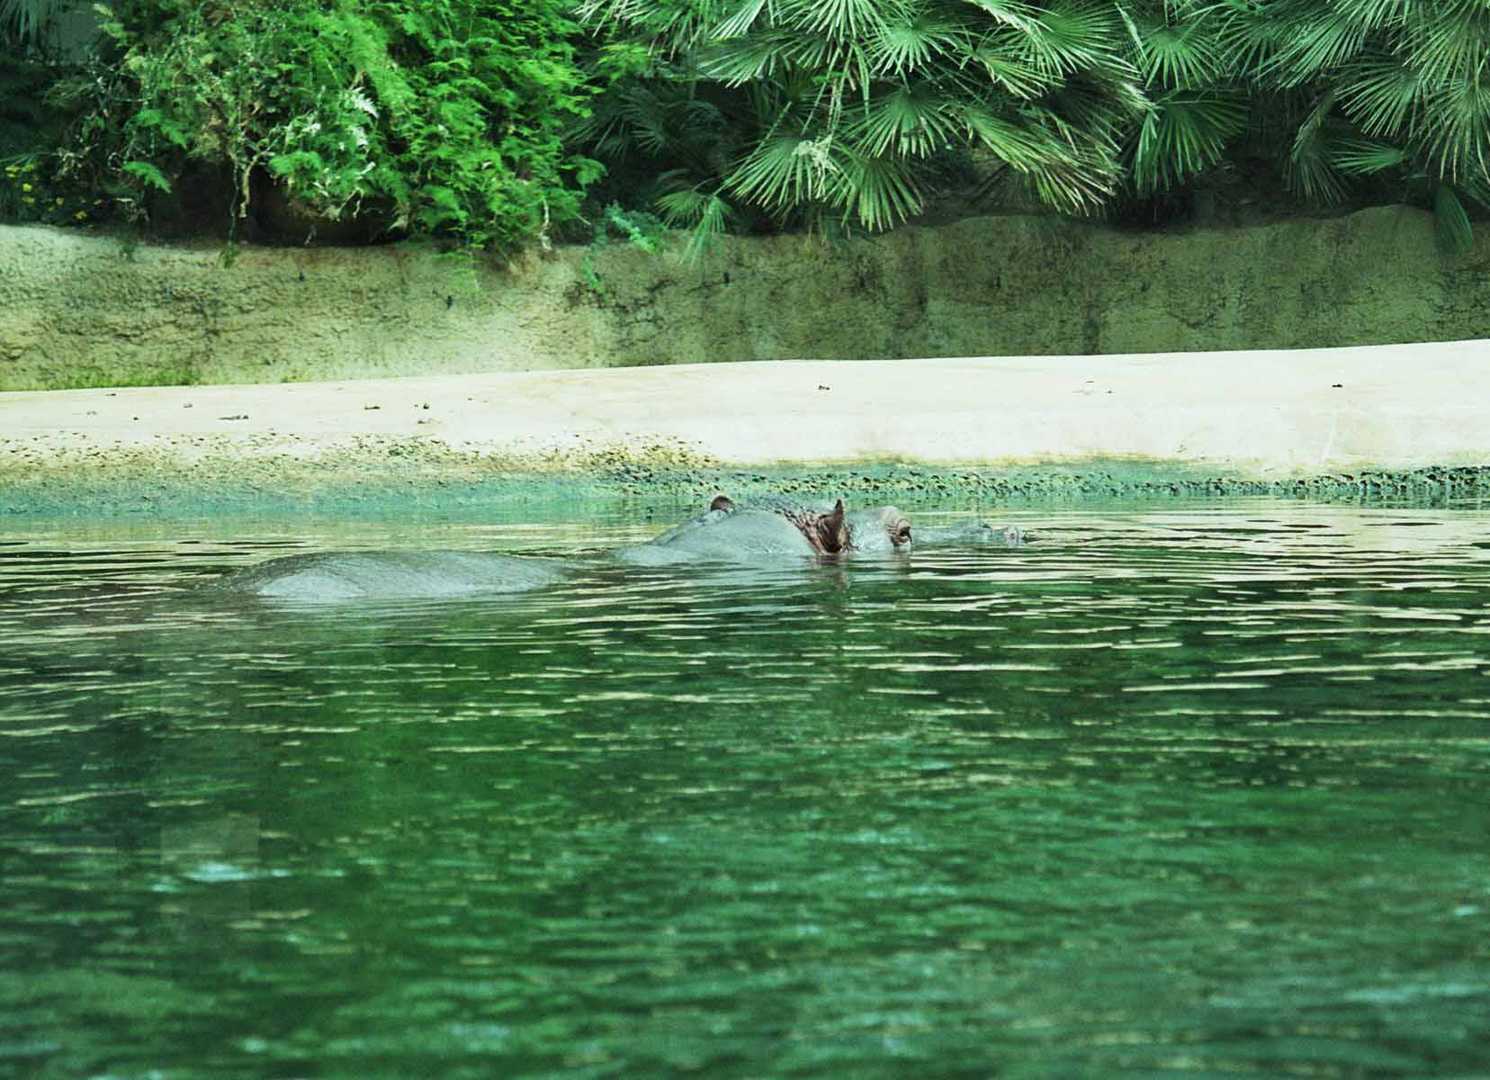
[(722, 502), (832, 531)]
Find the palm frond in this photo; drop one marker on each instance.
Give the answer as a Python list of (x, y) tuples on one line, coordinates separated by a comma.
[(839, 20), (902, 46), (26, 20), (782, 171), (704, 214), (1311, 161), (1248, 37), (1451, 226), (1012, 143), (877, 192), (1185, 133), (1478, 190), (740, 21), (1174, 54), (1063, 168), (1363, 157), (1009, 13), (1455, 130), (908, 121), (1453, 44), (1068, 36), (1382, 14), (1315, 44), (1382, 93), (1007, 64), (742, 60)]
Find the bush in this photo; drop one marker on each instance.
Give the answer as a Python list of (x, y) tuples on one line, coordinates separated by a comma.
[(856, 110), (441, 118)]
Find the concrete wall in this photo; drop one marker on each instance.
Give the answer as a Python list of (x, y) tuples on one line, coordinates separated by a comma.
[(78, 310)]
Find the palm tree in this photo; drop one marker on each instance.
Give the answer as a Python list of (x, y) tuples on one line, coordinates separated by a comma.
[(1392, 90), (24, 22), (1198, 105), (24, 79), (847, 109), (814, 109)]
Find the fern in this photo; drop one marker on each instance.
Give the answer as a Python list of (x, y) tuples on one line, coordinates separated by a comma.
[(446, 119)]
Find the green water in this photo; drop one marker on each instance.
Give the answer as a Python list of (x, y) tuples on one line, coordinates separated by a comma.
[(1190, 792)]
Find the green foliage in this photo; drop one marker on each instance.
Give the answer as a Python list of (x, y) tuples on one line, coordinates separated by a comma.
[(799, 109), (477, 120), (24, 22), (637, 229), (29, 194), (1381, 96), (809, 110), (30, 125), (439, 118)]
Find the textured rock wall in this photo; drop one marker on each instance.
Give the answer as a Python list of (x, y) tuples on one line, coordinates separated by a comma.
[(78, 310)]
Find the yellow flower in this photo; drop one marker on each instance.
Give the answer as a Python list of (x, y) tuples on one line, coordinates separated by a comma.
[(81, 215), (57, 201), (29, 201), (25, 187)]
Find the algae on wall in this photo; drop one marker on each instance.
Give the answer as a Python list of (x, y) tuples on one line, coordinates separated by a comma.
[(78, 310)]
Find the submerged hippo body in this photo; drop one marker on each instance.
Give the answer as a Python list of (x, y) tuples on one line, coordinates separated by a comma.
[(390, 575), (971, 534), (772, 530)]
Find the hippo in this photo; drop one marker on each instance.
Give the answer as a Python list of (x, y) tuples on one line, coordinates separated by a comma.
[(391, 575), (764, 532), (772, 529), (971, 534)]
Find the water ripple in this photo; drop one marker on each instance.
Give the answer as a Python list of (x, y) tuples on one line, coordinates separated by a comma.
[(1189, 792)]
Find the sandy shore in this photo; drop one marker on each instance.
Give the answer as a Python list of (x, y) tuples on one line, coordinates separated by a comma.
[(1263, 414)]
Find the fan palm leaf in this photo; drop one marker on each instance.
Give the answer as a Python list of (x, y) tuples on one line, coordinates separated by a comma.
[(742, 60), (1452, 44), (1382, 94), (1007, 65), (1316, 45), (903, 46), (741, 20), (1452, 228), (839, 19), (1456, 130), (1066, 37), (24, 21), (1184, 133), (1185, 54), (1363, 157), (1248, 38), (783, 171), (1016, 16), (1311, 165), (877, 192), (705, 214), (910, 121)]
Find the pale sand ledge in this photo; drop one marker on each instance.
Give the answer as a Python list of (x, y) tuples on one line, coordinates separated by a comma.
[(1264, 414)]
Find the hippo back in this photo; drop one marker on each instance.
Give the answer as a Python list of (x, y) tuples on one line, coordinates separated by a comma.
[(723, 536), (389, 575)]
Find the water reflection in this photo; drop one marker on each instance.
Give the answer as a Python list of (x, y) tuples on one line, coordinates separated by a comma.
[(1196, 791)]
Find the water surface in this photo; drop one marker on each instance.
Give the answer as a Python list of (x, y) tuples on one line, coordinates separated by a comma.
[(1168, 792)]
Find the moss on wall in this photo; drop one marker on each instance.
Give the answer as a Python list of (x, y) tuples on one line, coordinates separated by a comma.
[(79, 310)]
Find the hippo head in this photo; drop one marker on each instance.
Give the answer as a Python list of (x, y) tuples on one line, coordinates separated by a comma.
[(835, 531)]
